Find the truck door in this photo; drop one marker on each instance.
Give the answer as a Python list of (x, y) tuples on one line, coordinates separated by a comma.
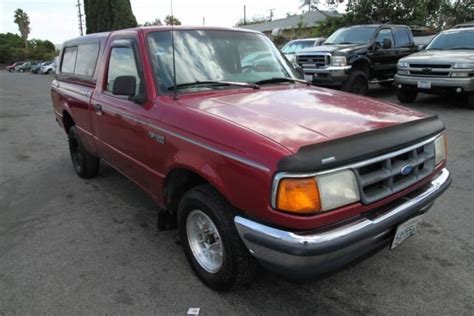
[(403, 42), (384, 60), (120, 122)]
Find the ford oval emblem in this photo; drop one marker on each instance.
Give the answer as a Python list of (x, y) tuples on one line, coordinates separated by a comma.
[(406, 169)]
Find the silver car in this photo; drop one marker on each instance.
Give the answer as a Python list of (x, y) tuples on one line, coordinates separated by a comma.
[(446, 65)]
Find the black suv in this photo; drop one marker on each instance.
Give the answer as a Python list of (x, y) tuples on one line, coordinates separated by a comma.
[(354, 56)]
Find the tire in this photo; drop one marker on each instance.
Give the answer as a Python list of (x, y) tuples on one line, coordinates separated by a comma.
[(85, 165), (22, 70), (357, 83), (10, 70), (235, 266), (470, 100), (48, 71), (406, 95), (387, 84)]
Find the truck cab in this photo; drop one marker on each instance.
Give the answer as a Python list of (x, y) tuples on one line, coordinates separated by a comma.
[(352, 57)]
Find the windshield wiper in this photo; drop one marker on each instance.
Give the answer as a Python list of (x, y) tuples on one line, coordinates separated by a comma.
[(462, 47), (282, 79), (214, 83)]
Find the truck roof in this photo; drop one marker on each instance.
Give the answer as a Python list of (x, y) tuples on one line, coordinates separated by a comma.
[(98, 36)]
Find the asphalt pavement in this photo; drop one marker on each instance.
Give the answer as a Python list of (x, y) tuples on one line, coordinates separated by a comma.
[(75, 246)]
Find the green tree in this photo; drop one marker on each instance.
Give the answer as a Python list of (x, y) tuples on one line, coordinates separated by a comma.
[(172, 20), (156, 22), (12, 48), (108, 15), (23, 21), (453, 12)]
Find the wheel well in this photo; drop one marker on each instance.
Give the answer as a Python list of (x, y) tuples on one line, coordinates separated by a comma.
[(178, 182), (67, 121), (362, 66)]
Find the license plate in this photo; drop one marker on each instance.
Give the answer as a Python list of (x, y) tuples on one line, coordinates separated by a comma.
[(405, 230), (308, 77), (424, 84)]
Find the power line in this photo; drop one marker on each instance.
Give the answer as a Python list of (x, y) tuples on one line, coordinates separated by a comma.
[(79, 14)]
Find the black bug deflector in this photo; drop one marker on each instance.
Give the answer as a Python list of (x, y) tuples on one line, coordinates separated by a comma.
[(361, 146)]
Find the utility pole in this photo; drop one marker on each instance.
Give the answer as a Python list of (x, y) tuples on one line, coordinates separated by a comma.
[(245, 14), (203, 20), (79, 14)]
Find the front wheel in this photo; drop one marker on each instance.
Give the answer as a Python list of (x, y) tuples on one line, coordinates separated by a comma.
[(405, 95), (22, 70), (211, 242), (85, 165), (357, 83)]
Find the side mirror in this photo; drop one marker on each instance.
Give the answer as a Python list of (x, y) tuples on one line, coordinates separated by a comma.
[(387, 43), (124, 85)]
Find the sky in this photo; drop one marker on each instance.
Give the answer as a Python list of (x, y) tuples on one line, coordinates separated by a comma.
[(57, 21)]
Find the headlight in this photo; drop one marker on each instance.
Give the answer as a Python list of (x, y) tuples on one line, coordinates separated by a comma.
[(317, 194), (441, 150), (463, 66), (338, 61), (403, 64)]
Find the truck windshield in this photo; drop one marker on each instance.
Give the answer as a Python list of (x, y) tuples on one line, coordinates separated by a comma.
[(296, 46), (456, 39), (215, 55), (351, 35)]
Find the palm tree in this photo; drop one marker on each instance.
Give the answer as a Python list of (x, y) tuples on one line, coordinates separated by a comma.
[(23, 21)]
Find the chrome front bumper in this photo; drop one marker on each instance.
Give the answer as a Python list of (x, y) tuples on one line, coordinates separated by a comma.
[(467, 84), (303, 255)]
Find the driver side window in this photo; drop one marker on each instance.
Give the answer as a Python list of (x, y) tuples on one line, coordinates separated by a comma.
[(122, 63), (383, 34)]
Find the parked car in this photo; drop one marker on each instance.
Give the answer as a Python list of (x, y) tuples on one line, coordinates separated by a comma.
[(26, 66), (294, 46), (354, 56), (464, 25), (445, 66), (11, 68), (49, 68), (251, 166), (37, 68)]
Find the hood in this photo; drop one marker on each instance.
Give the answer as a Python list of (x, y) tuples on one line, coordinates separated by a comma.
[(333, 48), (297, 115), (442, 56)]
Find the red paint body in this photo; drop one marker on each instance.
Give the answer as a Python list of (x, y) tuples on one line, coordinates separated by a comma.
[(258, 125)]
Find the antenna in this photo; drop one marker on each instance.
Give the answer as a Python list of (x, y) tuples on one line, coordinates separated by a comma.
[(175, 90)]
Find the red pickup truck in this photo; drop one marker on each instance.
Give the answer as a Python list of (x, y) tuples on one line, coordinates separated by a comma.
[(249, 162)]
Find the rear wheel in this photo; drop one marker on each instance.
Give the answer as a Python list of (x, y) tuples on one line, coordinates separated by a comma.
[(357, 83), (211, 242), (22, 70), (85, 165), (405, 95)]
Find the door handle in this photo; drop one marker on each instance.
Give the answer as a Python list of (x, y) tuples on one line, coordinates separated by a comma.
[(98, 109)]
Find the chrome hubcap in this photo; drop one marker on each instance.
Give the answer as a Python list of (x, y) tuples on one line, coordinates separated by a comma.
[(205, 241)]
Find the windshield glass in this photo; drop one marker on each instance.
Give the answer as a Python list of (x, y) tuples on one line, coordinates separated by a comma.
[(294, 47), (351, 35), (458, 39), (211, 55)]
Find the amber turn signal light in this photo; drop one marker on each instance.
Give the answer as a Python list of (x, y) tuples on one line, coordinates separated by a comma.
[(299, 196)]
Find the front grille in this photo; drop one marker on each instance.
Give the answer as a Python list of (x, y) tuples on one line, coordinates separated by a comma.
[(435, 66), (430, 73), (383, 178), (314, 61)]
